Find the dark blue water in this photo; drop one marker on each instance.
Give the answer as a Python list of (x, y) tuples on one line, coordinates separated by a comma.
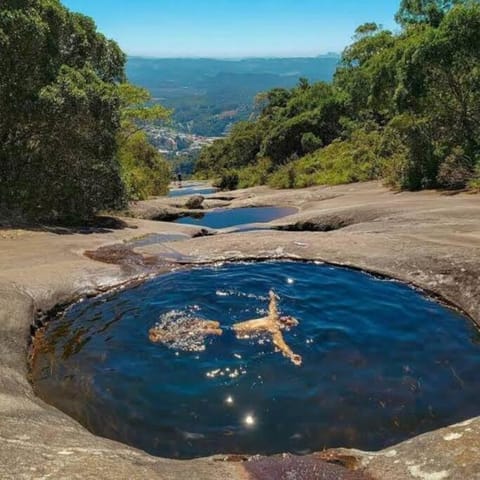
[(381, 363), (182, 192), (224, 218)]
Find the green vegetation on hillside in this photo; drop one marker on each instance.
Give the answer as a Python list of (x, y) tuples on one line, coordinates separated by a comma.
[(404, 107), (209, 95), (66, 117)]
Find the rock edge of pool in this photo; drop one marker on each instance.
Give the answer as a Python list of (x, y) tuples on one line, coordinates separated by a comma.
[(427, 239)]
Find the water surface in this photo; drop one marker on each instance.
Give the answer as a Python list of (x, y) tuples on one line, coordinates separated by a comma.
[(381, 363), (224, 218), (194, 190)]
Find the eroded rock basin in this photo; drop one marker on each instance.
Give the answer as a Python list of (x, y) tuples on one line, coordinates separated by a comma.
[(381, 363)]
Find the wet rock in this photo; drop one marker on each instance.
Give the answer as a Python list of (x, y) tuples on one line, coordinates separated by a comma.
[(124, 256), (204, 232), (166, 215), (223, 198), (328, 224), (287, 467)]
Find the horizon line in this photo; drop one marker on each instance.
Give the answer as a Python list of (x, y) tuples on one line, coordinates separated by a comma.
[(246, 57)]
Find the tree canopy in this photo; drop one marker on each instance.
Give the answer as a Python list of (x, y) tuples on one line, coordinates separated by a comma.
[(424, 11), (403, 106), (62, 104), (143, 170)]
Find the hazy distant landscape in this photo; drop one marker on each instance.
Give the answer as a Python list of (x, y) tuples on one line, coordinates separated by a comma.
[(209, 95)]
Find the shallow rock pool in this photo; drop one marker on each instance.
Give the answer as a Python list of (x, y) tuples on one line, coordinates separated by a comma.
[(381, 363), (224, 218), (194, 190)]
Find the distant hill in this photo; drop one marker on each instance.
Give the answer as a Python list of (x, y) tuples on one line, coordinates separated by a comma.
[(208, 95)]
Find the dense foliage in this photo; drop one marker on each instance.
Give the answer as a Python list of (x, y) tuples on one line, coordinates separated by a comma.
[(143, 170), (61, 114), (404, 107)]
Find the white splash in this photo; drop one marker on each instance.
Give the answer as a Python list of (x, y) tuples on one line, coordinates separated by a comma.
[(184, 337)]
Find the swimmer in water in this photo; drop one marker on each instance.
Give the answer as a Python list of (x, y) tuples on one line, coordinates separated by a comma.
[(272, 325), (191, 327)]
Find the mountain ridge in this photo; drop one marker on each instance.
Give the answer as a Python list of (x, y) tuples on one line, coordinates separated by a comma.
[(201, 90)]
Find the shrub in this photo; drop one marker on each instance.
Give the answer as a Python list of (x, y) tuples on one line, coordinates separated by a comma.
[(355, 159), (255, 174), (456, 171), (407, 143), (310, 142), (284, 177), (228, 181), (474, 183), (144, 171)]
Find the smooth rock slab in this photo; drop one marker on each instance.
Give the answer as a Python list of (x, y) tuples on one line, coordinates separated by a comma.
[(425, 238)]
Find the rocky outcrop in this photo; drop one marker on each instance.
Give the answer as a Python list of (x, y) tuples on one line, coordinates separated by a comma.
[(195, 202)]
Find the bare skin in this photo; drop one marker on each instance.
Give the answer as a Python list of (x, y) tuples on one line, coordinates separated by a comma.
[(273, 325), (193, 327)]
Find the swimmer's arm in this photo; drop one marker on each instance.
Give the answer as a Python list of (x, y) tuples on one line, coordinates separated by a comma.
[(213, 331), (279, 342)]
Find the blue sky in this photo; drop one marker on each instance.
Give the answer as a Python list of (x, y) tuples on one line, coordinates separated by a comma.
[(233, 28)]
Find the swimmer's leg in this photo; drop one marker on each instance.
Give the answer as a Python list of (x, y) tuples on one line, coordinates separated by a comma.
[(203, 328), (272, 308), (156, 335)]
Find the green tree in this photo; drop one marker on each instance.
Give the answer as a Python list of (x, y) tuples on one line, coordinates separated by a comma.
[(405, 106), (310, 142), (137, 109), (364, 76), (424, 11), (439, 82), (60, 113), (143, 170)]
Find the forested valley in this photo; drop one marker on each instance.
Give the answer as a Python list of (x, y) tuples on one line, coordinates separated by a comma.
[(403, 107)]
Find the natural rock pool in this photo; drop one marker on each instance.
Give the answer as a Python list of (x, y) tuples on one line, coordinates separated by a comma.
[(194, 190), (224, 218), (381, 363)]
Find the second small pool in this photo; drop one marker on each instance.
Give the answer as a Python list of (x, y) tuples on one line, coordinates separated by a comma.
[(224, 218)]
